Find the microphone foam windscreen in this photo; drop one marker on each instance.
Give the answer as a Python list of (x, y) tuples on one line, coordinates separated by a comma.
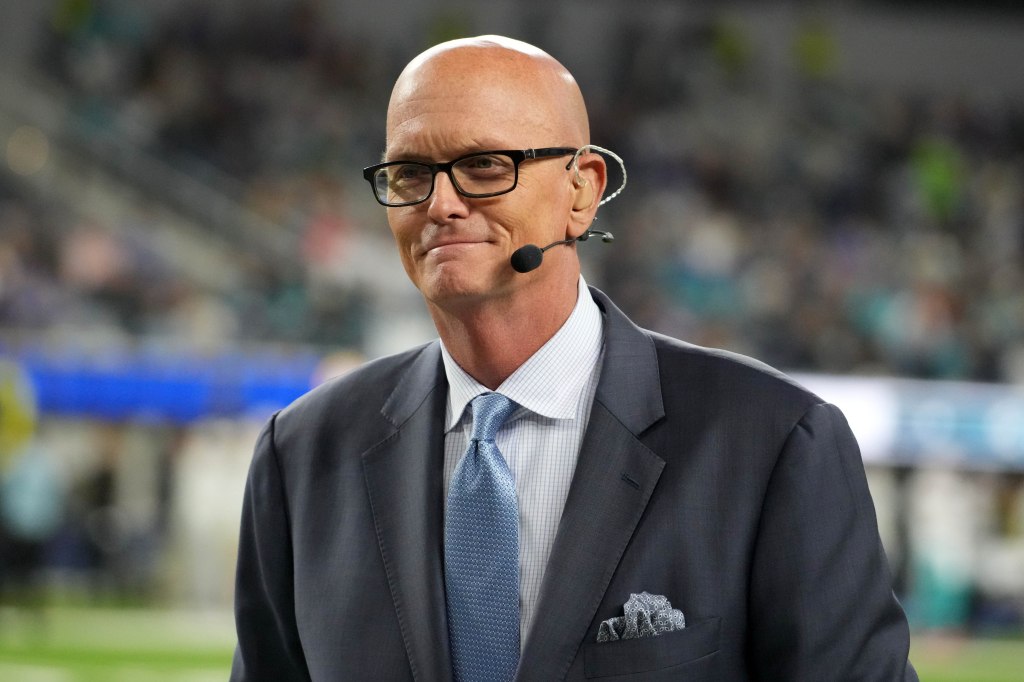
[(527, 258)]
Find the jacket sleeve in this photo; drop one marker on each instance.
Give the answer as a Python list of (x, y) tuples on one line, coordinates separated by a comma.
[(822, 606), (269, 647)]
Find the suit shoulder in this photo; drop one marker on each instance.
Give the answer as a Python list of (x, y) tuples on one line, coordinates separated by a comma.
[(716, 369), (362, 390)]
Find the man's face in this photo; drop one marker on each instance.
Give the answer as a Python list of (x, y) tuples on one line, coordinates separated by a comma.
[(456, 249)]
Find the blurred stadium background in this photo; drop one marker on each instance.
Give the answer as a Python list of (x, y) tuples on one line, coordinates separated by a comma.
[(186, 244)]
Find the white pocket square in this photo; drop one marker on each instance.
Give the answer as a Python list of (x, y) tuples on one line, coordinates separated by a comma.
[(646, 615)]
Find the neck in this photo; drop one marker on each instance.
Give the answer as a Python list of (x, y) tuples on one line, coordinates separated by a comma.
[(493, 339)]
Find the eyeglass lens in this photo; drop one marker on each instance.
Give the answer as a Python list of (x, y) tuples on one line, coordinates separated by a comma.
[(478, 175)]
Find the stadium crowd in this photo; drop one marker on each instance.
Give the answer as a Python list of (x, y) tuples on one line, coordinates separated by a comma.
[(827, 228)]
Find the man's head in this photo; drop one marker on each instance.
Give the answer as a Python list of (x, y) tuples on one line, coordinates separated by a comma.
[(481, 94)]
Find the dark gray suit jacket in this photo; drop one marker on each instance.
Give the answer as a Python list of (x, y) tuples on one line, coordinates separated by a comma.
[(704, 476)]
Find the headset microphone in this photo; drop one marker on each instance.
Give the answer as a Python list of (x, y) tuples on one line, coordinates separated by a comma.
[(528, 258)]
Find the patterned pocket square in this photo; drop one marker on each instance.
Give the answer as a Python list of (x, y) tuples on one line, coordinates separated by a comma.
[(647, 615)]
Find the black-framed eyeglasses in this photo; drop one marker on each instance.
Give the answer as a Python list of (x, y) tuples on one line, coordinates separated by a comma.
[(476, 175)]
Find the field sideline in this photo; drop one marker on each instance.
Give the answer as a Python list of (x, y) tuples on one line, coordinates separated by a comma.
[(147, 645)]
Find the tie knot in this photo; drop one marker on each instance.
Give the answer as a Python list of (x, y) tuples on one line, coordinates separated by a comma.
[(490, 410)]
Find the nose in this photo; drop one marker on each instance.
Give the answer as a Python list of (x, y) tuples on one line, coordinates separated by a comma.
[(446, 204)]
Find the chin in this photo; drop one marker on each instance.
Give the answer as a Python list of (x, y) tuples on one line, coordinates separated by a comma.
[(451, 284)]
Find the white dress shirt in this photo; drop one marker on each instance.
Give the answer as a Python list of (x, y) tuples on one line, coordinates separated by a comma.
[(541, 440)]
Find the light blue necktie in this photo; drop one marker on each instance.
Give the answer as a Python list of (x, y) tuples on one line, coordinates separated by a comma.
[(481, 551)]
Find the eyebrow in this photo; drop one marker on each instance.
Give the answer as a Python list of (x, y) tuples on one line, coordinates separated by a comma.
[(473, 147), (405, 156)]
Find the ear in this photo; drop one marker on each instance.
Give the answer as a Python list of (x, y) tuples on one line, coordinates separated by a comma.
[(589, 181)]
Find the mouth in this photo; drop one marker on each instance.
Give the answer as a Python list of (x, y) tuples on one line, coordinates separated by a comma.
[(451, 246)]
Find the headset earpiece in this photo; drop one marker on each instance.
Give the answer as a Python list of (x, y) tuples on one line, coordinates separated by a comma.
[(584, 194)]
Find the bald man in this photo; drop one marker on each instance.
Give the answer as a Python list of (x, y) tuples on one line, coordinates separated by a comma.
[(662, 511)]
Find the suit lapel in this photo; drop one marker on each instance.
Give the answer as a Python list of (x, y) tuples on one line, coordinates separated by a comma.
[(615, 476), (404, 480)]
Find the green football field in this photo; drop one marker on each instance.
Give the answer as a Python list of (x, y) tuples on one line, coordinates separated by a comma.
[(115, 645), (142, 645)]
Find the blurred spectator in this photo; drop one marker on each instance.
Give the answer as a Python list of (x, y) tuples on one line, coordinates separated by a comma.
[(31, 492)]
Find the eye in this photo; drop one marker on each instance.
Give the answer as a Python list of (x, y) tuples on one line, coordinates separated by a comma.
[(408, 173), (486, 165), (480, 162)]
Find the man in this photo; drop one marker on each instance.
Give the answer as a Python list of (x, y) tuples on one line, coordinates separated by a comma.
[(640, 464)]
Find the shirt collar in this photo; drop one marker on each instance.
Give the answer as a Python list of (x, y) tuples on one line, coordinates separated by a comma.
[(551, 381)]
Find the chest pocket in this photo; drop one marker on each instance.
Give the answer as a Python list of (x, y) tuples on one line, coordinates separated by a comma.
[(693, 647)]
